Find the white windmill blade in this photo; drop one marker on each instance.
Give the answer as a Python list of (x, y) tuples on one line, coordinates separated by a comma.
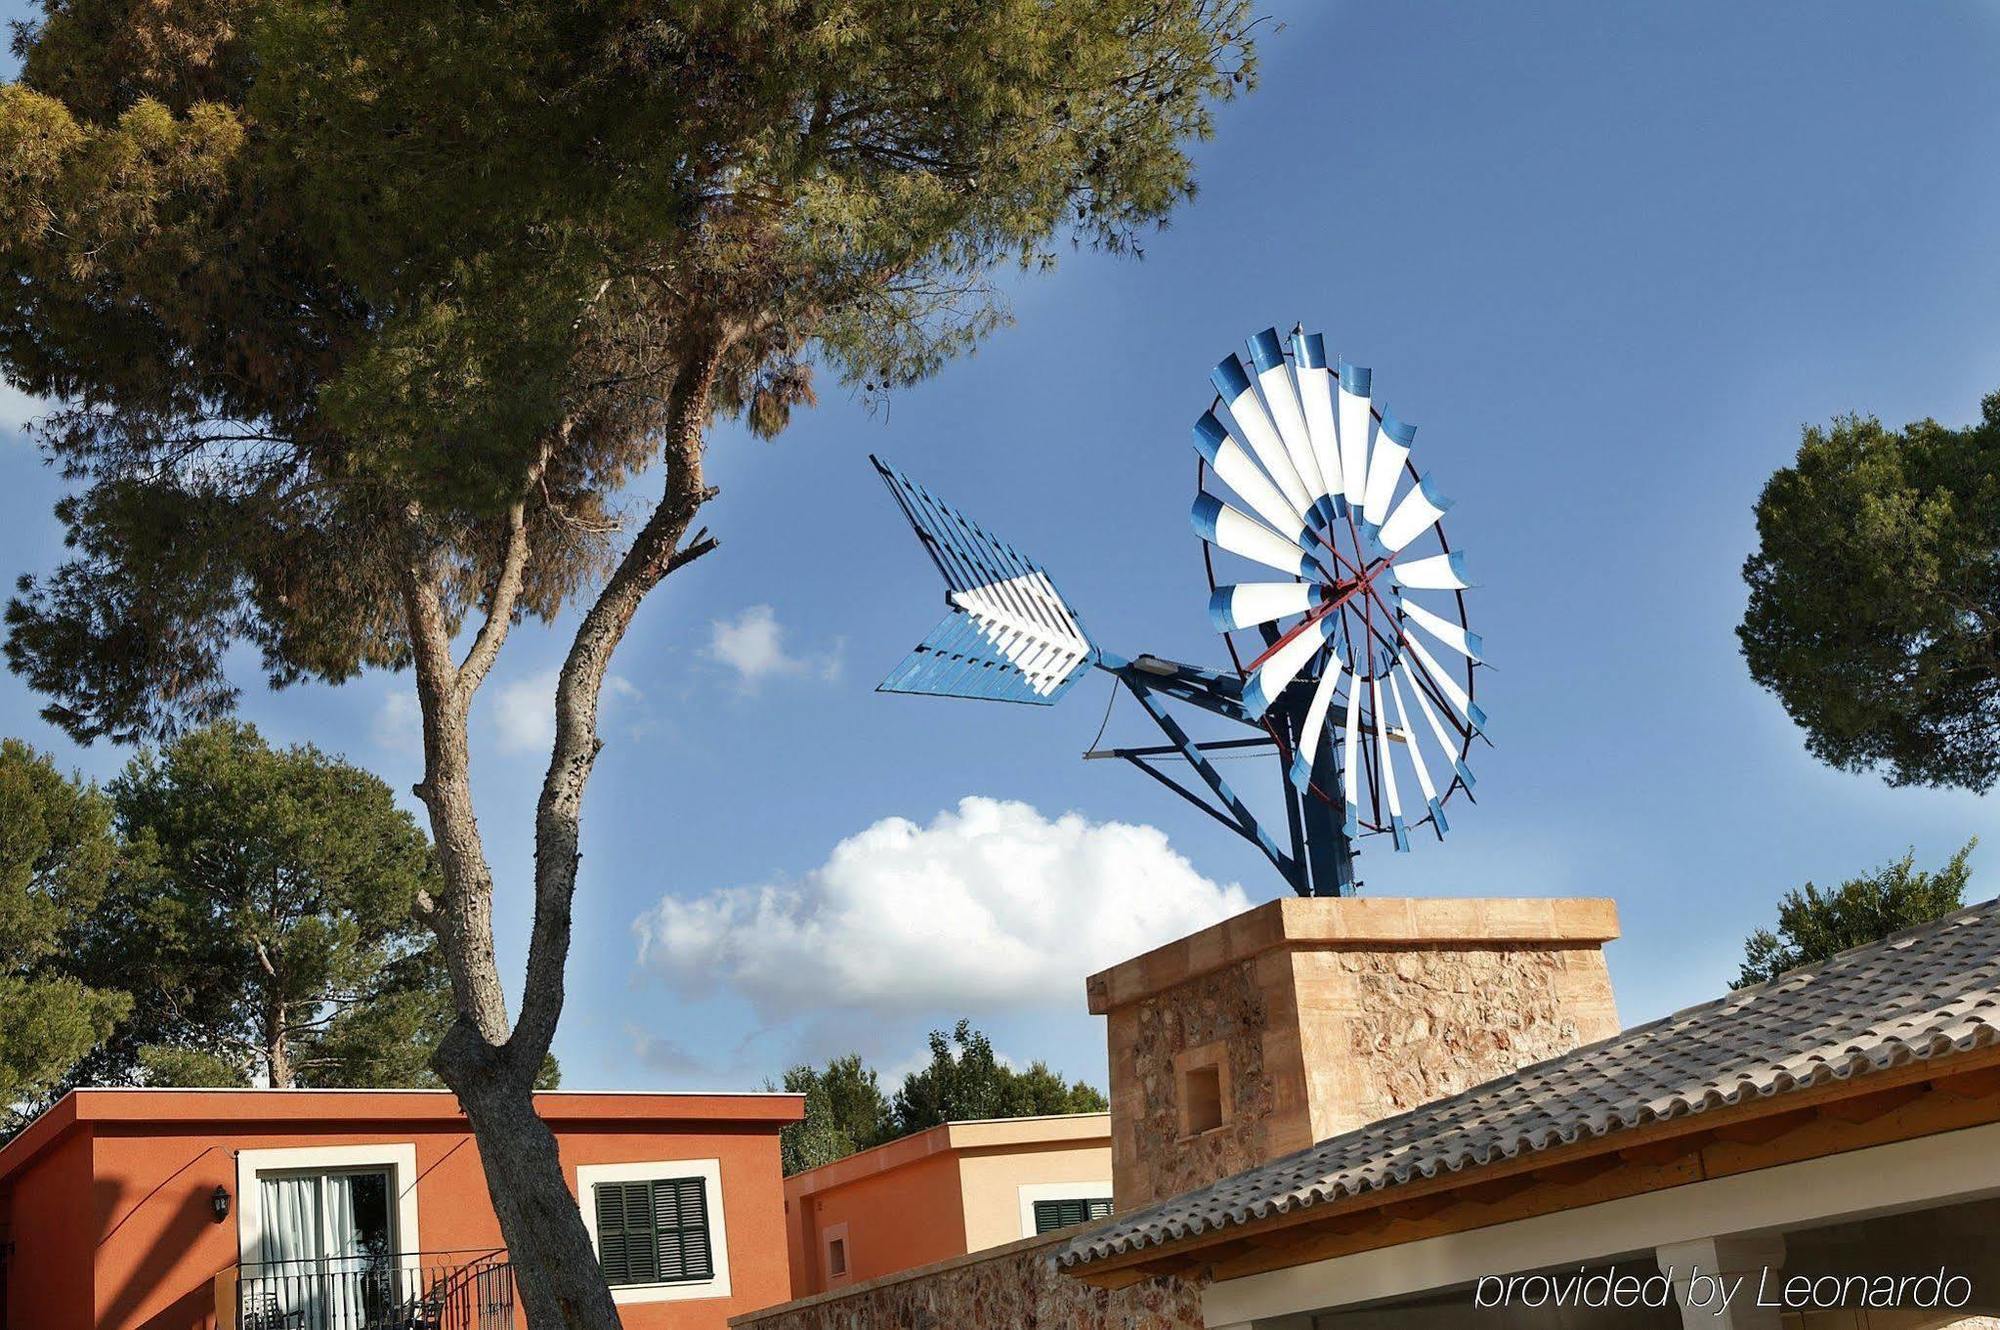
[(1240, 396), (1284, 664), (1247, 604), (1227, 458), (1357, 433), (1386, 769), (1226, 528), (1420, 509), (1350, 761), (1312, 730), (1444, 630), (1416, 752), (1460, 700), (1274, 380), (1385, 467), (1438, 572), (1444, 739), (1316, 398)]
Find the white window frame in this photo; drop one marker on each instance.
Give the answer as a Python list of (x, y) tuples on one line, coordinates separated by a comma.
[(399, 1157), (1057, 1191), (588, 1176)]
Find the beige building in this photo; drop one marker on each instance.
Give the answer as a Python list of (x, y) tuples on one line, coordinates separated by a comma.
[(1383, 1114), (956, 1188)]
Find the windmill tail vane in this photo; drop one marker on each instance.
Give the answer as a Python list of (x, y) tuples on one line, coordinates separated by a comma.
[(1299, 472), (1009, 635)]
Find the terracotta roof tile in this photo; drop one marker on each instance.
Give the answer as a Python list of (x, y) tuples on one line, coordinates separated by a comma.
[(1928, 992)]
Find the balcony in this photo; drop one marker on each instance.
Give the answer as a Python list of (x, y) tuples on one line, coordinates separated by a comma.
[(392, 1291)]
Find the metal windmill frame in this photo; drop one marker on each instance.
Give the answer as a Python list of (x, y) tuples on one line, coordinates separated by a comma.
[(1011, 636)]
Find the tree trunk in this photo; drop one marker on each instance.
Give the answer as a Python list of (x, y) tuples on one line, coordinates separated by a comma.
[(491, 1065), (555, 1268), (277, 1057)]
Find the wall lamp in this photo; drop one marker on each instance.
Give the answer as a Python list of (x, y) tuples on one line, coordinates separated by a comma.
[(218, 1201)]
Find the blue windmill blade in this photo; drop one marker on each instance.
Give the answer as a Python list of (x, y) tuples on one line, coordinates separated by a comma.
[(1010, 636)]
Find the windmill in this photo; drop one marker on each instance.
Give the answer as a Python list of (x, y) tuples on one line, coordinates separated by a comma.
[(1354, 665)]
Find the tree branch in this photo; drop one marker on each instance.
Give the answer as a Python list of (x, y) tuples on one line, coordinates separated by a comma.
[(507, 581), (463, 919), (655, 552)]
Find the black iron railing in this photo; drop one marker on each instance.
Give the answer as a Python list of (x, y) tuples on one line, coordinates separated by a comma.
[(392, 1291)]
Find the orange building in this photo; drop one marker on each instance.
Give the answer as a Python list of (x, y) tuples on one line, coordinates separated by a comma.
[(956, 1188), (355, 1209)]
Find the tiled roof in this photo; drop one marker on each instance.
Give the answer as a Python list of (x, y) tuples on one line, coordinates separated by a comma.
[(1927, 992)]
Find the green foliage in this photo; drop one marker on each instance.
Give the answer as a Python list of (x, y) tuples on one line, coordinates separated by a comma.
[(58, 859), (160, 1064), (845, 1111), (1874, 609), (965, 1081), (331, 285), (269, 918), (1814, 925)]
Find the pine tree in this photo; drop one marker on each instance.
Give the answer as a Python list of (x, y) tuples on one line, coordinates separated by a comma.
[(371, 314), (58, 861)]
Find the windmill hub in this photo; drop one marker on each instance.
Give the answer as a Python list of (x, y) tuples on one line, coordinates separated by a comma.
[(1372, 731)]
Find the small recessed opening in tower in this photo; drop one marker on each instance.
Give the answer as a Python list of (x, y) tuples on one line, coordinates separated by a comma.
[(1201, 1099)]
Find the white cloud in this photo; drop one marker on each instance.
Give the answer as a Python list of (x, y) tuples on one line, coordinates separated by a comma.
[(753, 645), (524, 710), (992, 904), (399, 722)]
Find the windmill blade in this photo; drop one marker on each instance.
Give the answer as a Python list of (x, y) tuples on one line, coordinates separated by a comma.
[(1385, 467), (1225, 528), (1386, 768), (1445, 741), (1284, 663), (1420, 509), (1232, 381), (1446, 632), (1416, 752), (1011, 635), (1247, 604), (1274, 380), (1357, 434), (1460, 700), (1316, 398), (1350, 761), (1312, 730), (1227, 458), (1439, 572)]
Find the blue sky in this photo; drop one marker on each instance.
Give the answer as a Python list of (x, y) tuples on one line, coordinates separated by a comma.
[(1609, 258)]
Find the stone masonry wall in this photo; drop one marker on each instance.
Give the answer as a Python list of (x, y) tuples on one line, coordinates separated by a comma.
[(1386, 1031), (1016, 1287), (1232, 1008), (1319, 1039)]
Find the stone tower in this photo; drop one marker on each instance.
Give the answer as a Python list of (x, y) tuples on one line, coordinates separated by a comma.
[(1304, 1018)]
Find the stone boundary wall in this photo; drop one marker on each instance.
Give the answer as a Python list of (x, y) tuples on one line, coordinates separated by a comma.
[(1015, 1287)]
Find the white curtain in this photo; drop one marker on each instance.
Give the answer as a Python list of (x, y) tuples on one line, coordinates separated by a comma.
[(290, 1246), (312, 1243), (347, 1269)]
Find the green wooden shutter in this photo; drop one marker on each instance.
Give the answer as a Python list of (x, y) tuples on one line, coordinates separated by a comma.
[(680, 1210), (1052, 1215), (654, 1232), (613, 1248)]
